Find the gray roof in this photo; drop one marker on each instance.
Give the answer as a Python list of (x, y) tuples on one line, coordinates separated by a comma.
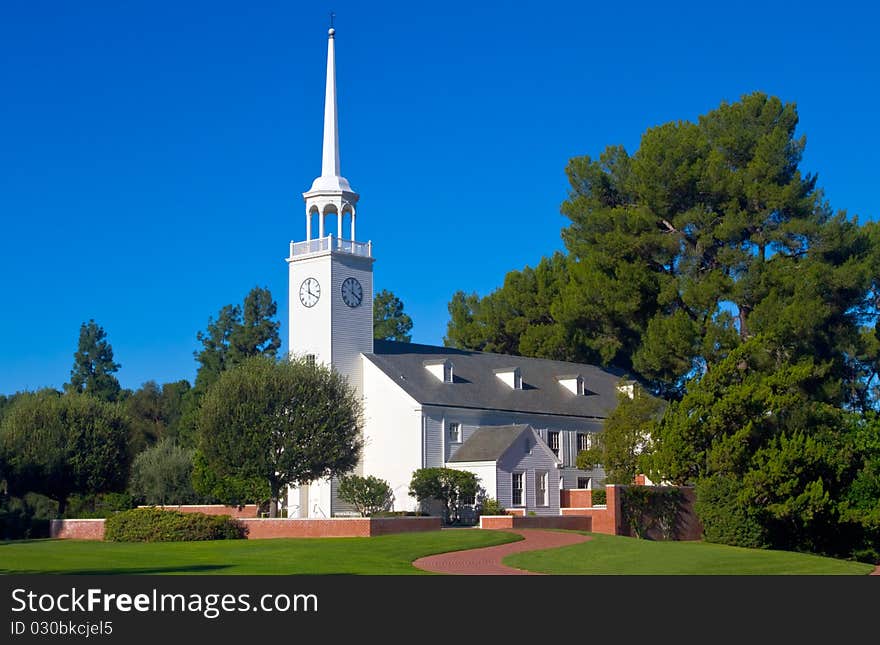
[(488, 443), (477, 386)]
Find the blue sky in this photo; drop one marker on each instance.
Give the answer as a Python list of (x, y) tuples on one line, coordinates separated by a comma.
[(153, 154)]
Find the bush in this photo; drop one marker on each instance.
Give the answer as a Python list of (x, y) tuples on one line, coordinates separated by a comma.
[(369, 495), (599, 497), (158, 525), (27, 517), (491, 506), (724, 519)]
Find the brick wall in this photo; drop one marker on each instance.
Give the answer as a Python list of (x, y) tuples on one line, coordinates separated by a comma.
[(259, 528), (77, 529), (248, 510), (610, 520), (571, 523), (576, 498)]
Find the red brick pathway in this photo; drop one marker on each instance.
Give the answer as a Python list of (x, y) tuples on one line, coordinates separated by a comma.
[(876, 572), (487, 560)]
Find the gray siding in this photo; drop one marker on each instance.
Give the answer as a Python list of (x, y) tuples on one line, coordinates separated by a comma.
[(434, 442), (530, 463)]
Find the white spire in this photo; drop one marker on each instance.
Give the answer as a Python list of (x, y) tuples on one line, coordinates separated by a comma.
[(330, 179)]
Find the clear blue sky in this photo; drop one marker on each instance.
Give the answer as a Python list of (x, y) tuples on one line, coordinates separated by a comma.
[(153, 154)]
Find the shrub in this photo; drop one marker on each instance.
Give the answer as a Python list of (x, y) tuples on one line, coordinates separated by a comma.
[(725, 520), (599, 497), (491, 506), (162, 474), (27, 517), (159, 525), (369, 495)]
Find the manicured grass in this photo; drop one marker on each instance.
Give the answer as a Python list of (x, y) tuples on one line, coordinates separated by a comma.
[(615, 555), (387, 554)]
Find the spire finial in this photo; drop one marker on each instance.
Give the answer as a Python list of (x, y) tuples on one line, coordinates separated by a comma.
[(332, 17)]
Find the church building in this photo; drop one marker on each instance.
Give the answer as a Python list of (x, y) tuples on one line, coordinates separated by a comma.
[(517, 423)]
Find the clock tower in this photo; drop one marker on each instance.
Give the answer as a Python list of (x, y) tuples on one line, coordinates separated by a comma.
[(331, 273)]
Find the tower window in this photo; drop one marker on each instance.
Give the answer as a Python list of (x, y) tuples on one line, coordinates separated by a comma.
[(310, 360)]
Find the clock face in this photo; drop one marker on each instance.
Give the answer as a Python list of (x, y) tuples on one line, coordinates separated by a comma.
[(352, 292), (309, 292)]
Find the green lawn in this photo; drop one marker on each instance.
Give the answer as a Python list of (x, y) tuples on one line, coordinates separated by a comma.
[(387, 554), (607, 554)]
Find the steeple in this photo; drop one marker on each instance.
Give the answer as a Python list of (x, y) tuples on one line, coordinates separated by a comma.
[(330, 194)]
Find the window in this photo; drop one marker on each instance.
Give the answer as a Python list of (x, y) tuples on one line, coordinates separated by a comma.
[(455, 432), (541, 489), (553, 442), (517, 489), (310, 360), (585, 441), (585, 482), (447, 372)]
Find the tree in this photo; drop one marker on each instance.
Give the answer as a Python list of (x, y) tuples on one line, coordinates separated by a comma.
[(238, 332), (760, 448), (61, 445), (515, 319), (368, 495), (625, 436), (162, 474), (389, 321), (155, 412), (93, 365), (276, 424), (446, 485)]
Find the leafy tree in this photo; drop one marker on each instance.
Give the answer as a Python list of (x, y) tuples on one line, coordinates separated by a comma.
[(389, 321), (705, 236), (626, 434), (276, 424), (162, 474), (761, 449), (238, 333), (155, 412), (60, 445), (93, 365), (517, 317), (368, 495), (446, 485)]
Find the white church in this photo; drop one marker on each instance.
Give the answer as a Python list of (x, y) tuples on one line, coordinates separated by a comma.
[(517, 423)]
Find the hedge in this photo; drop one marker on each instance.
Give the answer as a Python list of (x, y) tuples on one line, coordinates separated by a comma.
[(159, 525)]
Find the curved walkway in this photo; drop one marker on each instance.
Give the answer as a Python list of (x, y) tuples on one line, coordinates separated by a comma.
[(487, 560)]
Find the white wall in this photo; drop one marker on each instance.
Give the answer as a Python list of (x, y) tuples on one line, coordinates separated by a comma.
[(393, 447), (484, 470)]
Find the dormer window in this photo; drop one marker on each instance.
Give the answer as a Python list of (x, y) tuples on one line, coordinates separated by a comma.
[(574, 383), (510, 376), (441, 369)]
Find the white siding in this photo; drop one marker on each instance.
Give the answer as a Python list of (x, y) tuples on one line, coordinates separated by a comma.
[(392, 434), (352, 328), (484, 470)]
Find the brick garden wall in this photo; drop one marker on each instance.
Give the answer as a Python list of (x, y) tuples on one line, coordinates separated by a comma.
[(259, 528), (77, 529), (571, 523)]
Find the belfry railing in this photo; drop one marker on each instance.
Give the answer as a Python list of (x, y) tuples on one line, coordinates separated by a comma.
[(331, 243)]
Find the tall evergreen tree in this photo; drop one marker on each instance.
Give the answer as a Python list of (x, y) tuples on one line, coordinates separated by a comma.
[(389, 320), (93, 365), (240, 331)]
